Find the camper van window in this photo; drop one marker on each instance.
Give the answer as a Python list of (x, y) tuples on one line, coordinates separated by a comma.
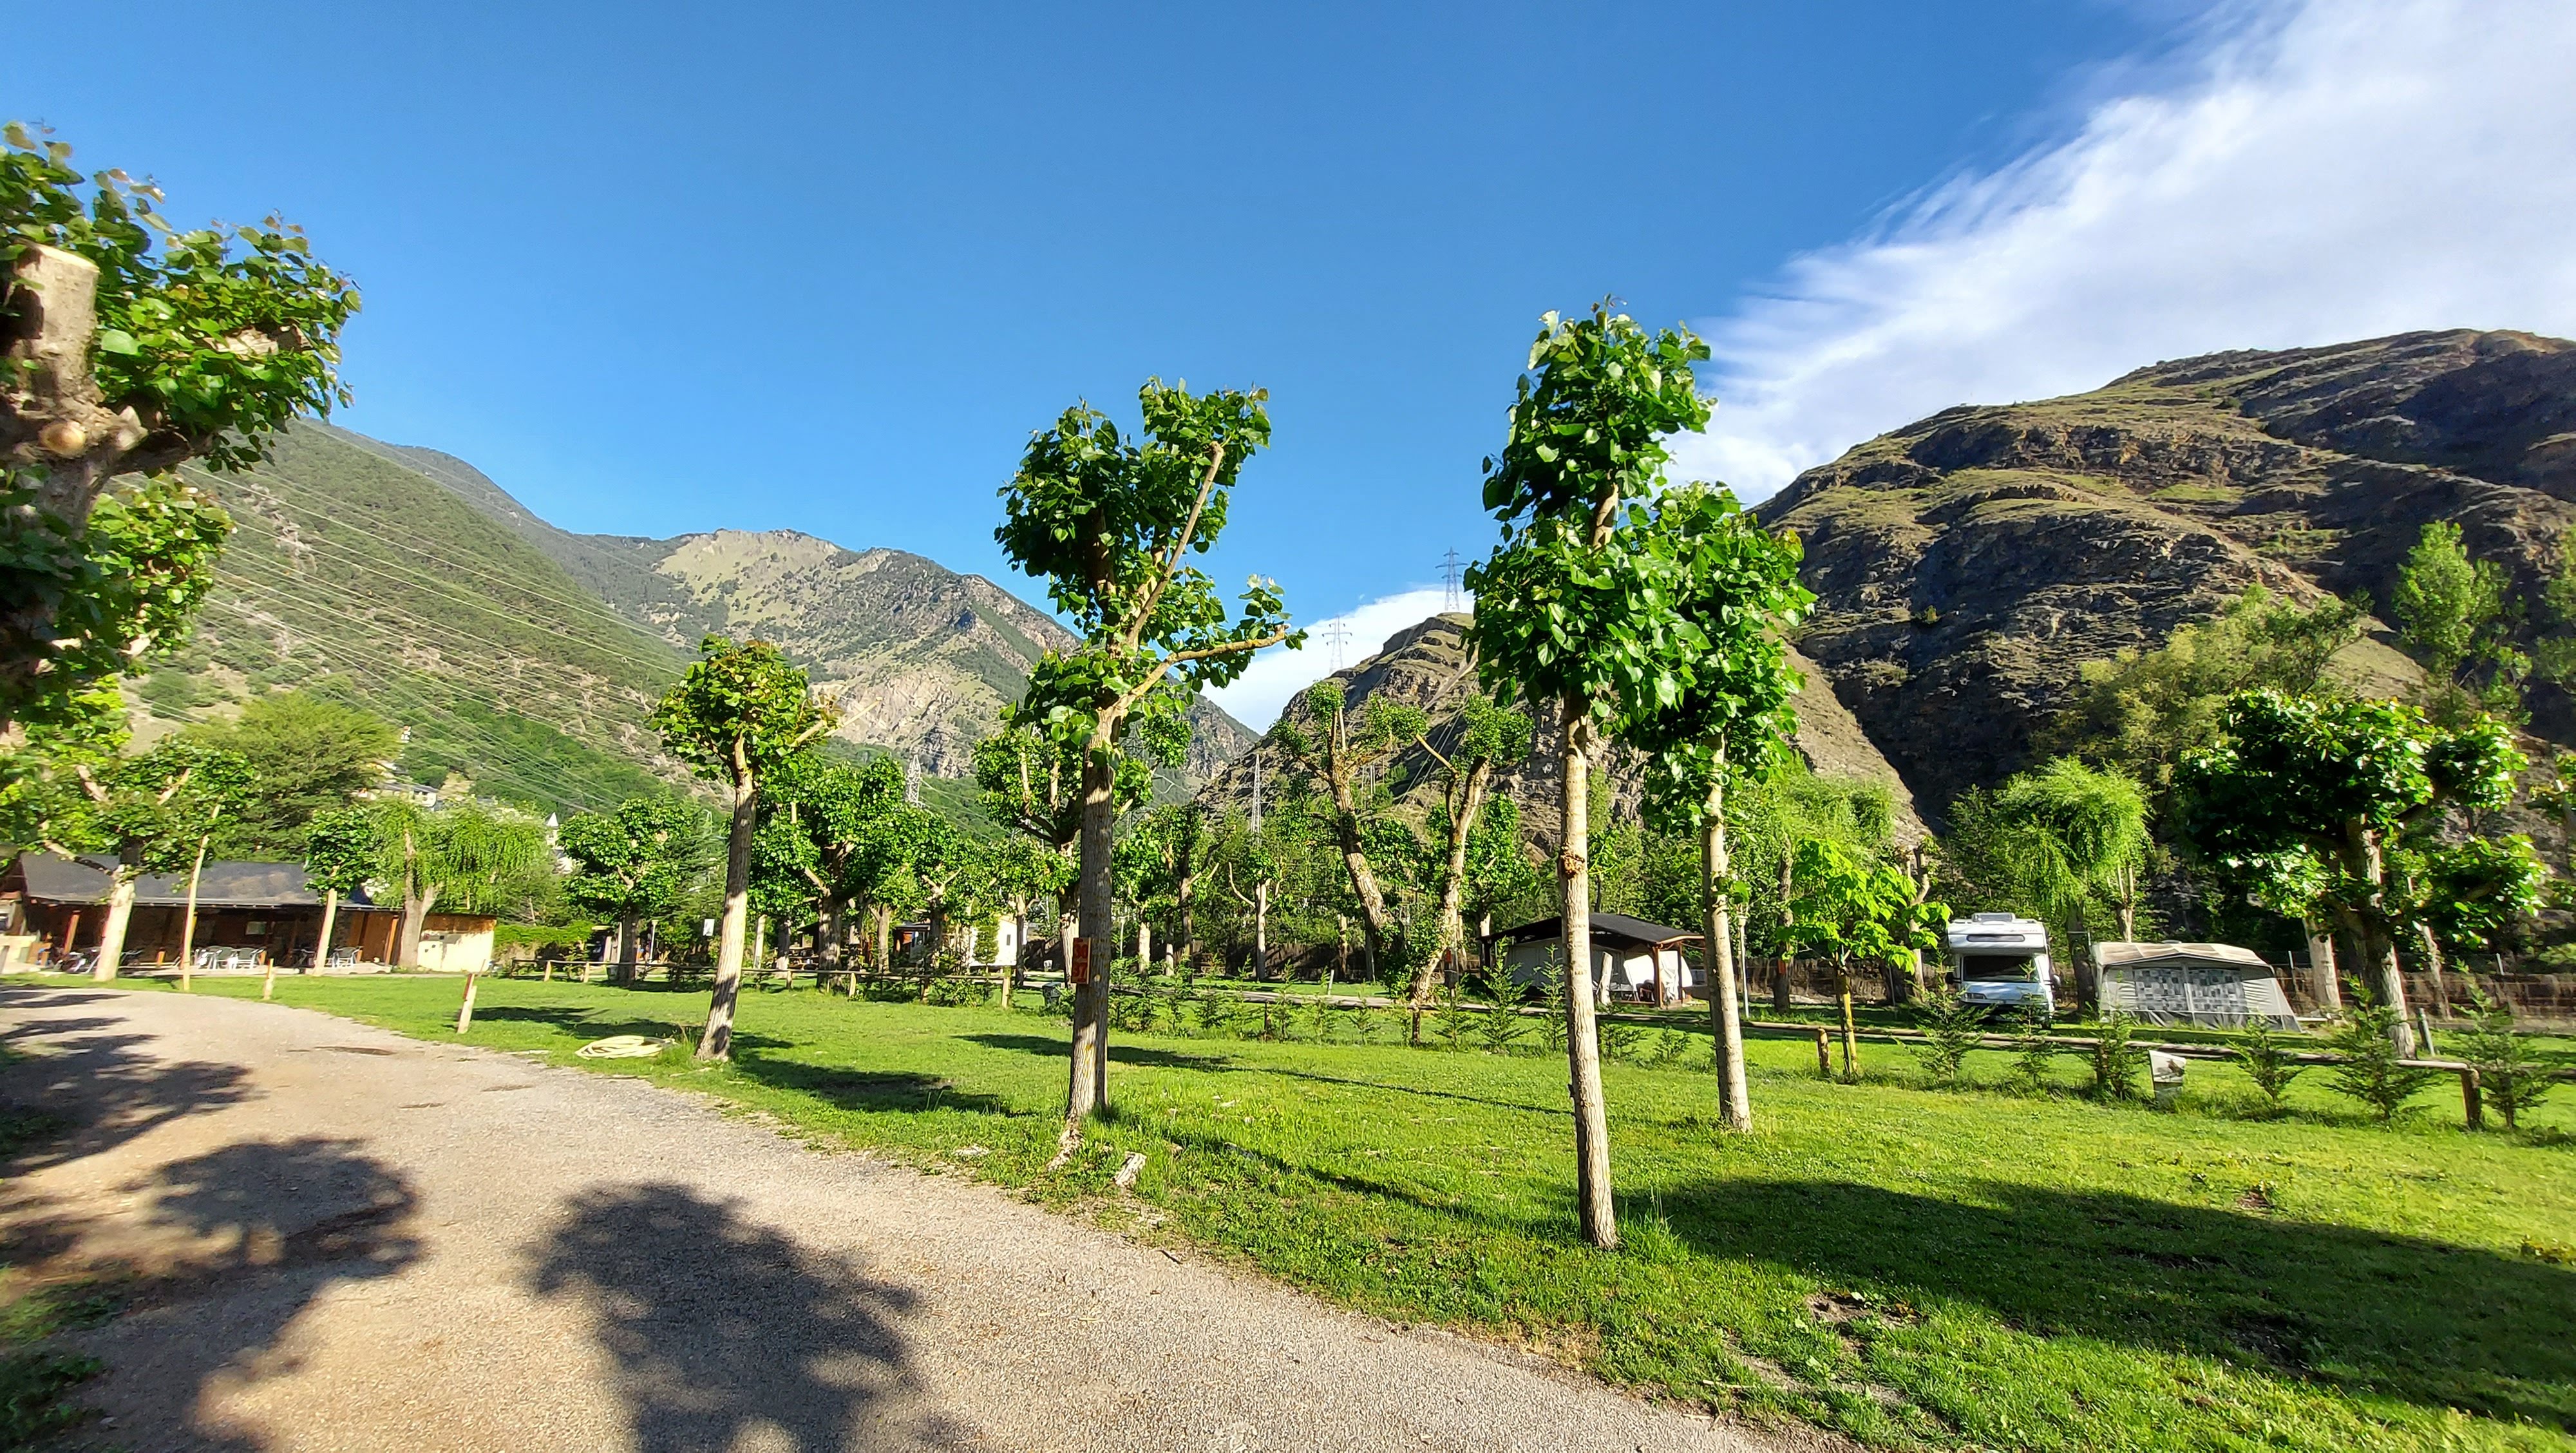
[(1996, 968)]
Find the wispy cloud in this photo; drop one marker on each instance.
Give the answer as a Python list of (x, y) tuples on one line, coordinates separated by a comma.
[(1257, 698), (2322, 170)]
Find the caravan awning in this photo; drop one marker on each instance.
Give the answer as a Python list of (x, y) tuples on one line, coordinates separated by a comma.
[(2212, 985)]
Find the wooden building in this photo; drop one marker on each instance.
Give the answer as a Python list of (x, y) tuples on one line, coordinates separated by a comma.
[(247, 913)]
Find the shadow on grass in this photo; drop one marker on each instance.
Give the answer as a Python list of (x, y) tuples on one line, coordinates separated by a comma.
[(1124, 1054), (589, 1024), (2361, 1311), (869, 1090), (726, 1333)]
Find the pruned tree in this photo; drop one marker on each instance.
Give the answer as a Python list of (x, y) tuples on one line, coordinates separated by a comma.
[(832, 808), (2305, 805), (1025, 871), (742, 712), (1735, 588), (1340, 754), (1167, 850), (1568, 611), (1107, 521), (635, 863), (153, 813), (1481, 736), (128, 348), (1853, 907), (339, 856), (1032, 783), (468, 856)]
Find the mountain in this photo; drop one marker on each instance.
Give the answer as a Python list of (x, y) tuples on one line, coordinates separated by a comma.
[(529, 657), (1427, 665), (1965, 566), (933, 656)]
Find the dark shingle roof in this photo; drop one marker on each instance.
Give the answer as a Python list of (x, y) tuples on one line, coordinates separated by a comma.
[(1604, 925), (52, 879)]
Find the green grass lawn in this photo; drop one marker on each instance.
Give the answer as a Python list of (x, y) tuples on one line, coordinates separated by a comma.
[(1956, 1268)]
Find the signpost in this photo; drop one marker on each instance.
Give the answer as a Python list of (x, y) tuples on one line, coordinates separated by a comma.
[(1081, 969)]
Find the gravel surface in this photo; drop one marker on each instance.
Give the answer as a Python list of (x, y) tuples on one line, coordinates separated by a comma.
[(365, 1242)]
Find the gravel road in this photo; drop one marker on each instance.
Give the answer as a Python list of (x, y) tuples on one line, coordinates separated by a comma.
[(366, 1242)]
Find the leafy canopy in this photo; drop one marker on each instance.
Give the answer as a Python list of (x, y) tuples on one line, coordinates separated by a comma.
[(640, 861), (1851, 906), (1107, 522), (742, 712), (1560, 613)]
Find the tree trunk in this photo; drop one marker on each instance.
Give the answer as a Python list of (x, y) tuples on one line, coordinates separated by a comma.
[(1346, 828), (885, 939), (627, 934), (1087, 1090), (2368, 922), (188, 919), (2322, 981), (1725, 1023), (2433, 961), (120, 914), (1261, 930), (1452, 929), (1582, 1047), (416, 908), (1788, 955), (1851, 1041), (1187, 893), (1144, 945), (836, 922), (717, 1042), (330, 916)]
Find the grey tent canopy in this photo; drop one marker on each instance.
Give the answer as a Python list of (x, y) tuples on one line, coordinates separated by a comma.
[(2212, 985)]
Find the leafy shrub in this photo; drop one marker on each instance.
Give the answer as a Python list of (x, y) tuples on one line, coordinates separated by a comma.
[(2117, 1059), (1453, 1023), (2267, 1062), (2369, 1070), (2509, 1078), (1621, 1041), (1552, 1025), (1951, 1027), (2033, 1053), (1500, 1026)]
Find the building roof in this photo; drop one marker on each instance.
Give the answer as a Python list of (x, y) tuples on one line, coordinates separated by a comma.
[(1604, 925), (2184, 955), (53, 879)]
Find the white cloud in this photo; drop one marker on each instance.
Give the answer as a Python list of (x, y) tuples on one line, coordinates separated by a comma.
[(1257, 697), (2324, 170)]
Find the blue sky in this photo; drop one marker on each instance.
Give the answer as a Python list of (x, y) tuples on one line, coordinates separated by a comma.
[(660, 269)]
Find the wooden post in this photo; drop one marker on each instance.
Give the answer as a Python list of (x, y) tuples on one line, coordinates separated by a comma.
[(2473, 1109), (1824, 1053), (465, 1011)]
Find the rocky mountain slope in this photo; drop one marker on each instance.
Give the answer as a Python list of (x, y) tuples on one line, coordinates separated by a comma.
[(1427, 665), (1967, 564), (931, 656), (527, 657)]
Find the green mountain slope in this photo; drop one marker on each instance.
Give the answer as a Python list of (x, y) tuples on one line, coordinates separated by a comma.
[(930, 656), (359, 578)]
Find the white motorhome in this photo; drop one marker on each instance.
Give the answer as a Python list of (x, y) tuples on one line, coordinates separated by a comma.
[(2001, 962)]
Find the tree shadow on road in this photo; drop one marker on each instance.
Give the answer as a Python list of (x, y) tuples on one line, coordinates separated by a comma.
[(723, 1329)]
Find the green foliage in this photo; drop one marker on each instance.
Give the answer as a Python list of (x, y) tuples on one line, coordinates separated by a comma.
[(2287, 799), (1105, 521), (1951, 1027), (2267, 1061), (1500, 1024), (340, 849), (1569, 606), (474, 857), (2451, 615), (2034, 1052), (2368, 1068), (2117, 1058), (216, 347), (108, 598), (306, 754), (2058, 842), (2474, 890), (1850, 907), (742, 712), (2511, 1077), (2143, 712), (638, 862), (1735, 590)]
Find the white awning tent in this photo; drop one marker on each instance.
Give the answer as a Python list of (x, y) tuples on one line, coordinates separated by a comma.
[(2212, 985)]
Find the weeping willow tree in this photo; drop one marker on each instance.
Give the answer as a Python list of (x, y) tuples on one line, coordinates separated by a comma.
[(2057, 842)]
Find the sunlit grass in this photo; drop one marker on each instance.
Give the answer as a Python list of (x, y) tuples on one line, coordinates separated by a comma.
[(1909, 1265)]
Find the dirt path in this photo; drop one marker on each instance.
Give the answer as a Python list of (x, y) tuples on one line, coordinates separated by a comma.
[(379, 1244)]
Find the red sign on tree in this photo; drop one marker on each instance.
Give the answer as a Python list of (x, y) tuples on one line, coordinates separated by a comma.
[(1081, 962)]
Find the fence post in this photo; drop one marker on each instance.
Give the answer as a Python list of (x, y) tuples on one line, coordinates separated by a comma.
[(1824, 1055), (2473, 1108)]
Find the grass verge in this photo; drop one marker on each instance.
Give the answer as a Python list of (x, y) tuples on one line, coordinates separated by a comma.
[(1911, 1266)]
